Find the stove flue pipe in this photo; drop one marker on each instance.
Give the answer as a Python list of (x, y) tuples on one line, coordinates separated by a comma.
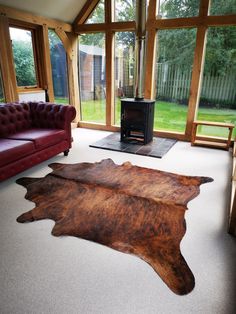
[(140, 49)]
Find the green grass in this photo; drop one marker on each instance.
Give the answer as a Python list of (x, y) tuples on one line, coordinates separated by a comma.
[(216, 115), (172, 117), (168, 116), (94, 111), (63, 101)]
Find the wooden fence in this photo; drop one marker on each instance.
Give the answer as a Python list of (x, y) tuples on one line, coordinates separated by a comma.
[(173, 83)]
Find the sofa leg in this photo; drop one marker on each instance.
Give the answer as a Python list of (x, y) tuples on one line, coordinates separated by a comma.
[(66, 152)]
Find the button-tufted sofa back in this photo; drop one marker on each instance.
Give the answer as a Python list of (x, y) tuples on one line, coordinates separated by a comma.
[(14, 117), (47, 115)]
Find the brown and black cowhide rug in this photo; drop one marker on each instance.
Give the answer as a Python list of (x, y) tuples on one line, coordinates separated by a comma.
[(128, 208)]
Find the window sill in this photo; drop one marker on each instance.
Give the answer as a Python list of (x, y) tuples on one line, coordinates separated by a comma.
[(30, 90)]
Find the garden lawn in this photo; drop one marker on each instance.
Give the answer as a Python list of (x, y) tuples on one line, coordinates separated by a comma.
[(63, 101), (168, 116)]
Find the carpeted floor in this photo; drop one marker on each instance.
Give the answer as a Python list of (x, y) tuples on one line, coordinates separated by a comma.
[(157, 148), (40, 273)]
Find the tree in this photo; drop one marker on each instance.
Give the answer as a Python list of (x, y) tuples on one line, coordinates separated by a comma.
[(178, 8), (24, 63), (124, 11), (221, 50), (188, 8), (177, 46), (222, 7), (97, 15), (94, 39)]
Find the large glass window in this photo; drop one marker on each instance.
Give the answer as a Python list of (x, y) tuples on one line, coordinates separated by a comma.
[(178, 8), (59, 68), (218, 93), (124, 69), (92, 77), (97, 16), (23, 57), (2, 98), (175, 51), (222, 7), (125, 10)]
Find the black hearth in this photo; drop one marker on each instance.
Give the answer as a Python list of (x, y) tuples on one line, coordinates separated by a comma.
[(137, 120)]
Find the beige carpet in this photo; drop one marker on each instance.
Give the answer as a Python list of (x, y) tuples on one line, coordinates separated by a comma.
[(90, 278)]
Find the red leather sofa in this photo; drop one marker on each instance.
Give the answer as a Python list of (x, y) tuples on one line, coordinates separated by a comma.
[(31, 133)]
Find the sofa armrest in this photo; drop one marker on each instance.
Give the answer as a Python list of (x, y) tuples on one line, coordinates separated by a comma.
[(51, 115)]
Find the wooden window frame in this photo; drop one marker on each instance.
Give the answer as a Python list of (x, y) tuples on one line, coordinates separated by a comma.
[(40, 25), (200, 22), (108, 28), (33, 29), (1, 83), (68, 34)]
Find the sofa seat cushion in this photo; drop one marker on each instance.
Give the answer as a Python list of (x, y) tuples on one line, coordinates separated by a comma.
[(41, 137), (12, 150)]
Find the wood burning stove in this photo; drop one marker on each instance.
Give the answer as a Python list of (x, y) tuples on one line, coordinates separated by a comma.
[(137, 120), (137, 114)]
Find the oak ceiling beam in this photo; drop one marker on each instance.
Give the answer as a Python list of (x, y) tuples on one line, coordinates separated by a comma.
[(115, 26), (85, 12), (65, 40), (173, 23), (226, 20), (72, 68), (34, 19), (196, 21), (47, 68)]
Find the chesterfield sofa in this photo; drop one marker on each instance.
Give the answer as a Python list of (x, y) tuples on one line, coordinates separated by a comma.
[(31, 133)]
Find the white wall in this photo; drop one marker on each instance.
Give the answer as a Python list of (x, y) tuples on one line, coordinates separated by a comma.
[(32, 96)]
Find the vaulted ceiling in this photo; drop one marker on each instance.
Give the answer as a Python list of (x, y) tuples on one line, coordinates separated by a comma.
[(61, 10)]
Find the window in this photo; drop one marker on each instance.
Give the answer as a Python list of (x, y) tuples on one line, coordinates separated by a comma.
[(175, 47), (222, 7), (2, 98), (178, 8), (92, 77), (23, 54), (218, 94), (125, 10), (97, 16), (59, 68), (175, 51), (124, 69)]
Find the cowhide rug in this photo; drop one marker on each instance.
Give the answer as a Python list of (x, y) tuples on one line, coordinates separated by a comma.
[(128, 208)]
